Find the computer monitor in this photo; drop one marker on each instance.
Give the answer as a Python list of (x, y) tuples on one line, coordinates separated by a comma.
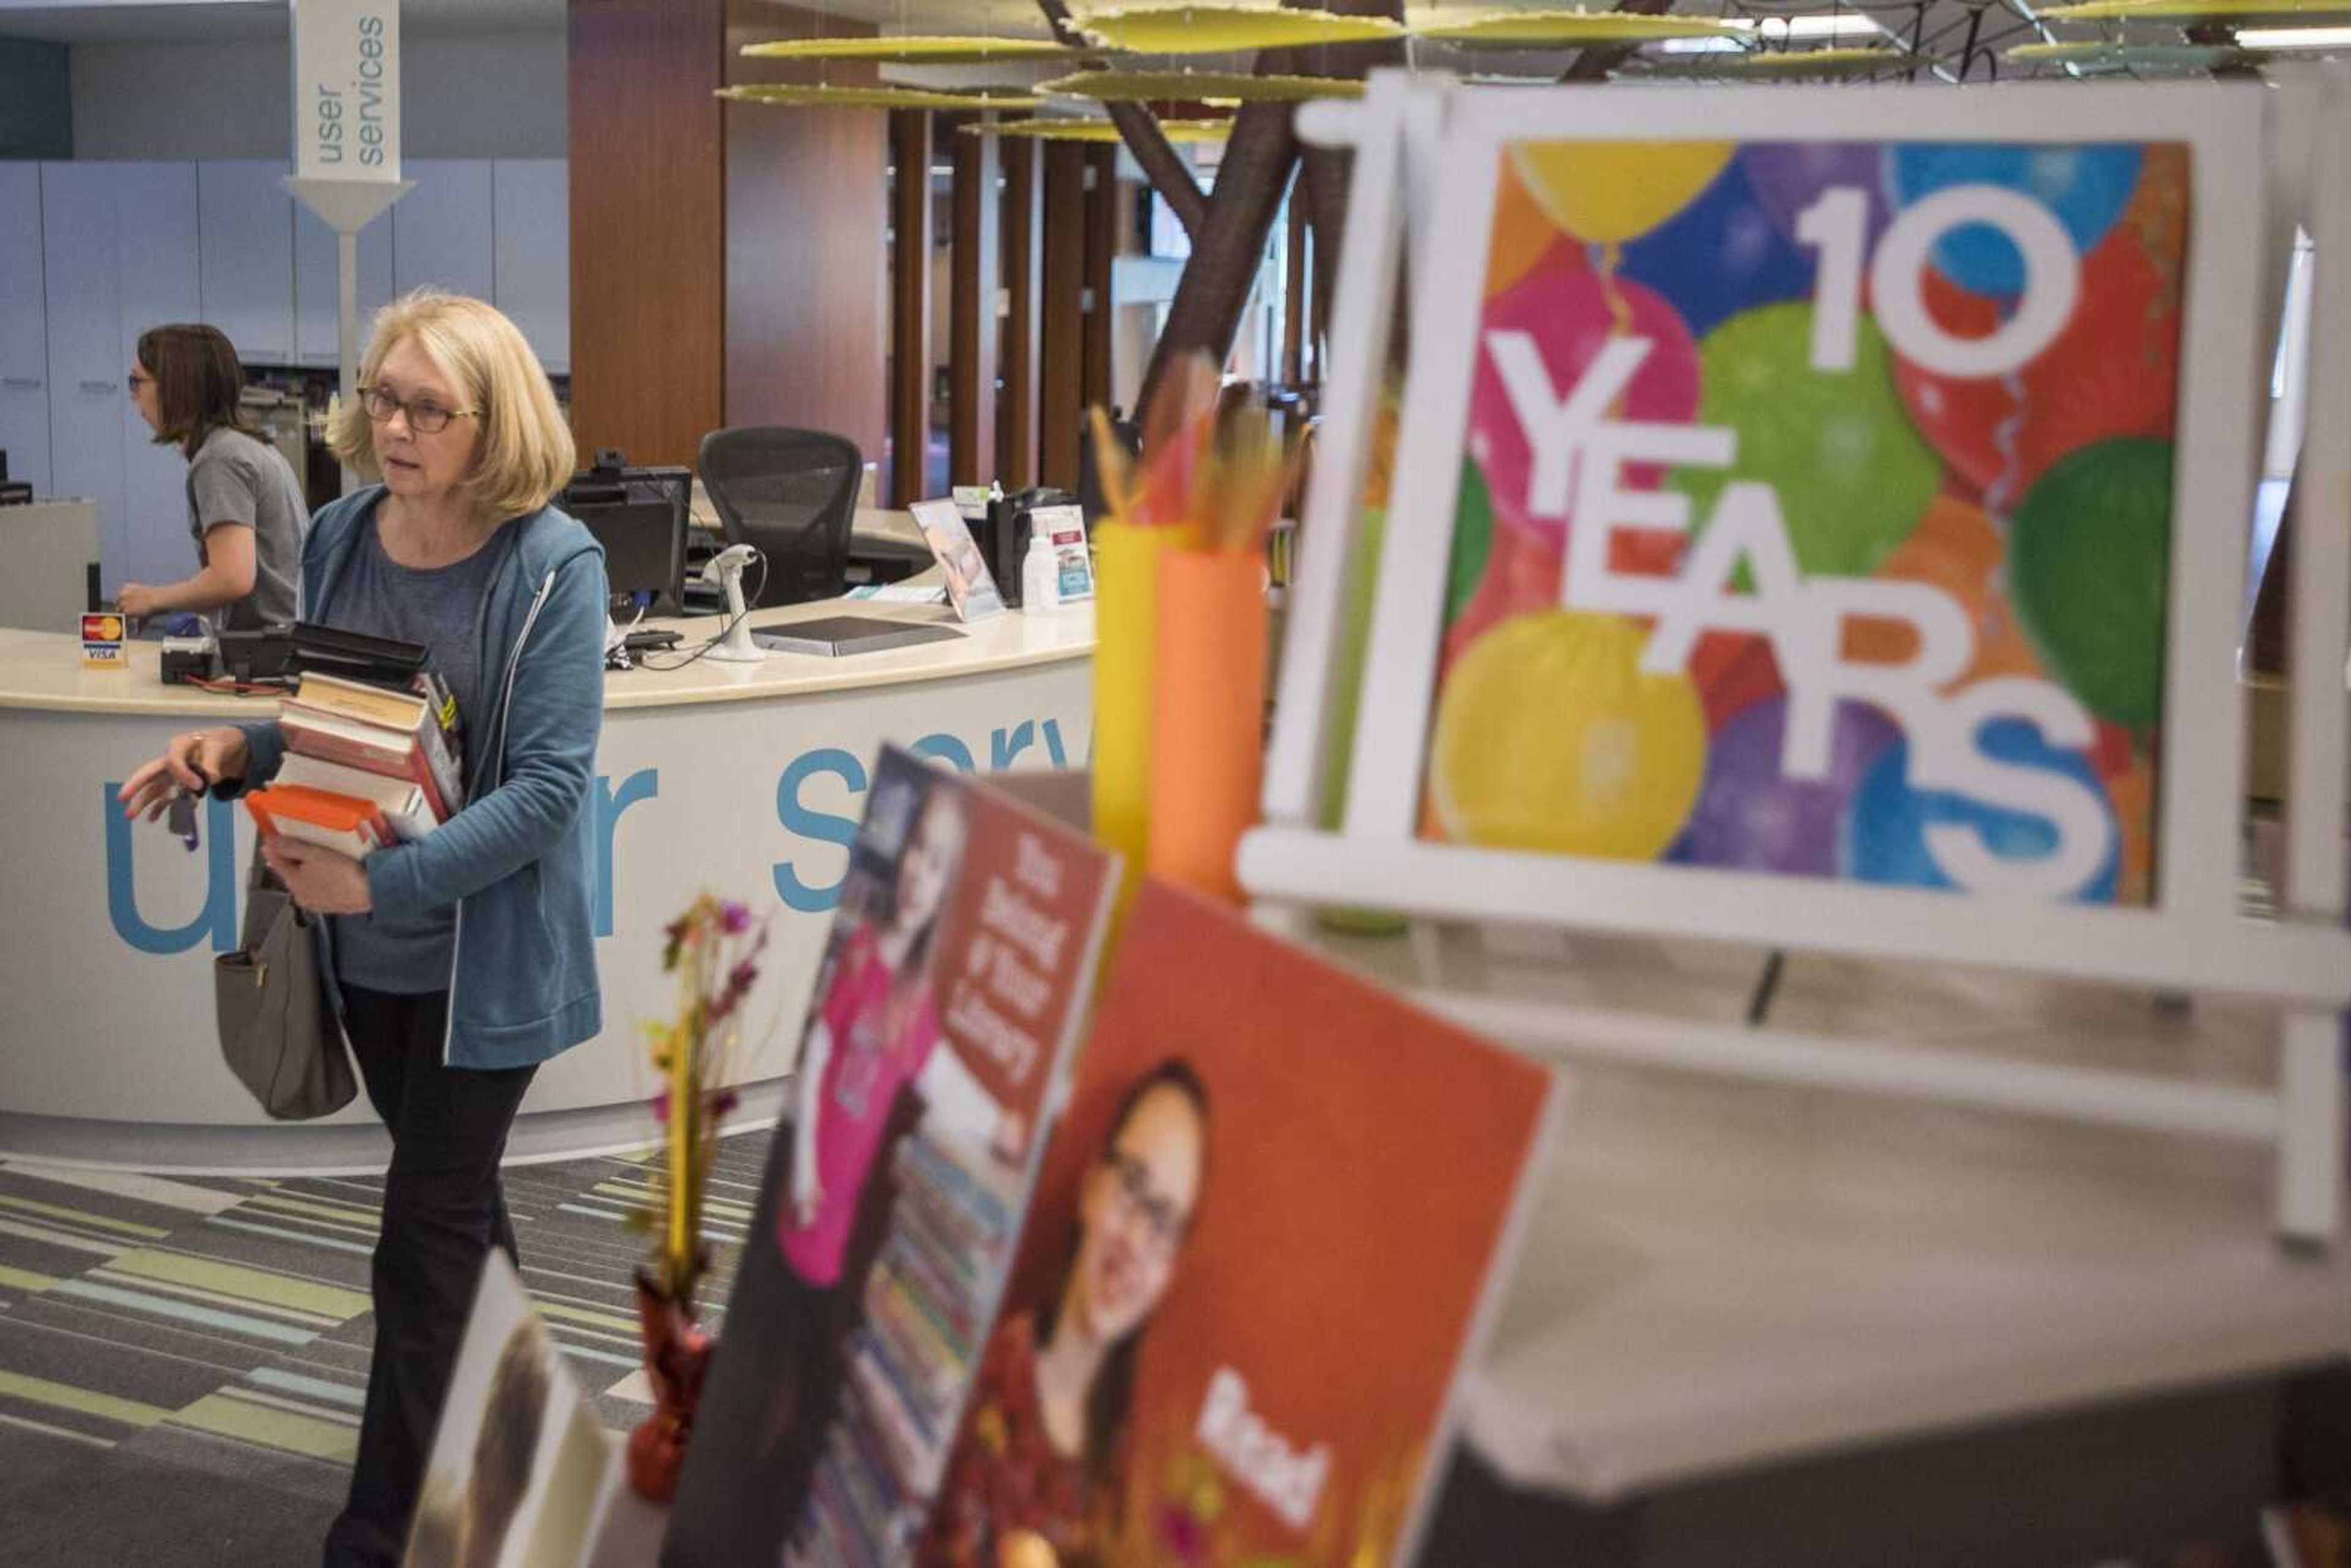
[(639, 516)]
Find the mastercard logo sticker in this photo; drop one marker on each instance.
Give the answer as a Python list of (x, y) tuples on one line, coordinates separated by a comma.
[(101, 628)]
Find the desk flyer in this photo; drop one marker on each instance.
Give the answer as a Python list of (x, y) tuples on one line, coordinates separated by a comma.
[(1263, 1247), (1816, 512), (949, 995), (520, 1468), (971, 588)]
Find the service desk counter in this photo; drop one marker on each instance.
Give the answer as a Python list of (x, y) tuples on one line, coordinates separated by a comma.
[(743, 779)]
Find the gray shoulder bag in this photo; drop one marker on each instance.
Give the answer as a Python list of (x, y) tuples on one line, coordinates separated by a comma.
[(278, 1034)]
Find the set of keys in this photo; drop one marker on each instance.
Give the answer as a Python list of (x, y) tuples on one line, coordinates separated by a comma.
[(180, 814)]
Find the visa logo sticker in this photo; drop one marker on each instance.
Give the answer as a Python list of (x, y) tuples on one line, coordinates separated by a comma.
[(101, 643)]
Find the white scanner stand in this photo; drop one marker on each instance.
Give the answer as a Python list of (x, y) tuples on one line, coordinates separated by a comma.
[(725, 570)]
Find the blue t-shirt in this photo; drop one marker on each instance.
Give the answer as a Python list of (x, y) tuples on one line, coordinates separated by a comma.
[(440, 608)]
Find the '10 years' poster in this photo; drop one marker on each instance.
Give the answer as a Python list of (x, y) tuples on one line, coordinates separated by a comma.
[(1816, 514)]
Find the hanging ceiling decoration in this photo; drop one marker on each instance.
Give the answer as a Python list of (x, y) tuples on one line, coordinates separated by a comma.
[(925, 48), (1217, 29), (1072, 129), (1198, 87), (818, 95), (2100, 56), (1784, 65), (1538, 29), (2194, 10)]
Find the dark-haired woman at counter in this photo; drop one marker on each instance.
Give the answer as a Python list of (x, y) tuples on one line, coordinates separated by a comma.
[(245, 505)]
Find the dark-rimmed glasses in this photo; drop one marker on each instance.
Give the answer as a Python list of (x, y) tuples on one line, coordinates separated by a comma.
[(1163, 1222), (425, 416)]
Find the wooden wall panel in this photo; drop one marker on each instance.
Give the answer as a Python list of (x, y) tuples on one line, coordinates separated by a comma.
[(910, 303), (648, 202), (1061, 401), (806, 210), (1022, 219), (1102, 209), (972, 334)]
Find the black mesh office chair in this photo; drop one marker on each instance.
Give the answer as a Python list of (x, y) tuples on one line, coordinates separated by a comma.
[(791, 493)]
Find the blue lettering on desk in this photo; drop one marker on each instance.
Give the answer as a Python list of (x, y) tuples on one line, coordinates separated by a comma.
[(217, 918), (811, 824), (642, 785), (831, 828)]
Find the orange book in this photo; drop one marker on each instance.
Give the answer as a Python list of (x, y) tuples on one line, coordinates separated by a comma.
[(341, 822)]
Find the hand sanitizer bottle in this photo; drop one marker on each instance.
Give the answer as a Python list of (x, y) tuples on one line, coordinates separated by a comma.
[(1040, 575)]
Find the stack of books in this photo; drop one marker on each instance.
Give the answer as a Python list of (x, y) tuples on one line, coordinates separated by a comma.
[(366, 766), (911, 1362)]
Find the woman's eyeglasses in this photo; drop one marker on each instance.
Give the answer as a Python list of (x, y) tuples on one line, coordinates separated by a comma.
[(425, 416), (1162, 1221)]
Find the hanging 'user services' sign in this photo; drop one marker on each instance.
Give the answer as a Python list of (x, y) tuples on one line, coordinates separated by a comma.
[(347, 89)]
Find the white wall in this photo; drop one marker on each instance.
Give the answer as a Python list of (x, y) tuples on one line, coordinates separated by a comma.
[(469, 95)]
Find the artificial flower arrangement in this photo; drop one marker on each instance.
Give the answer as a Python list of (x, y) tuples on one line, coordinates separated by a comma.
[(714, 949)]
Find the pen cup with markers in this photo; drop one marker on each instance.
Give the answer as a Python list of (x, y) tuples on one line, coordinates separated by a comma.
[(1208, 752), (1127, 559)]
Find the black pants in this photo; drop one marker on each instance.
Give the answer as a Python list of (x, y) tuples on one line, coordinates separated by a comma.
[(442, 1211)]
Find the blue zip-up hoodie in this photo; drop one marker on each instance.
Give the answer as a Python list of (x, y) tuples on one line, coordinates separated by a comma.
[(519, 861)]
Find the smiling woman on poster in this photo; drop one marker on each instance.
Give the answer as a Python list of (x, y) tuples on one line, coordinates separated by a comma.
[(873, 1047), (1037, 1473)]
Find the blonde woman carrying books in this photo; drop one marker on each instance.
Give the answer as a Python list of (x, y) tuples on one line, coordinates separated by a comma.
[(458, 963)]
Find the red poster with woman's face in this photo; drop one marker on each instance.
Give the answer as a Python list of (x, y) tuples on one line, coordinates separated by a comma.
[(1257, 1252)]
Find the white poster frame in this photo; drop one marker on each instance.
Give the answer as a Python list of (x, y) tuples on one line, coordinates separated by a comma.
[(1438, 147)]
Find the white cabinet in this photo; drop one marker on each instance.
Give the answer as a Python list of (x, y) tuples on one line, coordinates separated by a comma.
[(23, 330), (156, 246), (87, 369), (317, 297), (441, 231), (531, 207), (245, 229)]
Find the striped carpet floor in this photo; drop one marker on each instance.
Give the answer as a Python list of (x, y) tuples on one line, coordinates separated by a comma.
[(182, 1360)]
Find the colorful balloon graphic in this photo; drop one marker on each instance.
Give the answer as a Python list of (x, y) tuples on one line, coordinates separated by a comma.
[(2089, 568), (1852, 475), (1955, 548), (1523, 233), (1606, 193), (2132, 795), (1571, 314), (1788, 177), (2114, 370), (1719, 256), (1547, 736), (1734, 670), (1750, 816), (1886, 832), (2084, 187), (1473, 542)]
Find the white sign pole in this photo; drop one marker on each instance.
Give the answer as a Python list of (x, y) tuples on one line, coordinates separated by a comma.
[(347, 141)]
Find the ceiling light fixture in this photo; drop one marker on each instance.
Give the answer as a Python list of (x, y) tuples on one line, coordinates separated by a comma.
[(2293, 37)]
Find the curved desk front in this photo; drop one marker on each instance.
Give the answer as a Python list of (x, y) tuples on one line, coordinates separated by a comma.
[(743, 779)]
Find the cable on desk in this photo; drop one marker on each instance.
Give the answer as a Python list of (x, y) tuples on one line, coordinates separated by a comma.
[(749, 600)]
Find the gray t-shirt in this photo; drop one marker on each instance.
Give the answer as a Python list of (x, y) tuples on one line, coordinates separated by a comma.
[(440, 607), (233, 478)]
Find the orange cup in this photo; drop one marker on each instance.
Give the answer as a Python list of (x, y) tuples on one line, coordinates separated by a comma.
[(1207, 746)]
